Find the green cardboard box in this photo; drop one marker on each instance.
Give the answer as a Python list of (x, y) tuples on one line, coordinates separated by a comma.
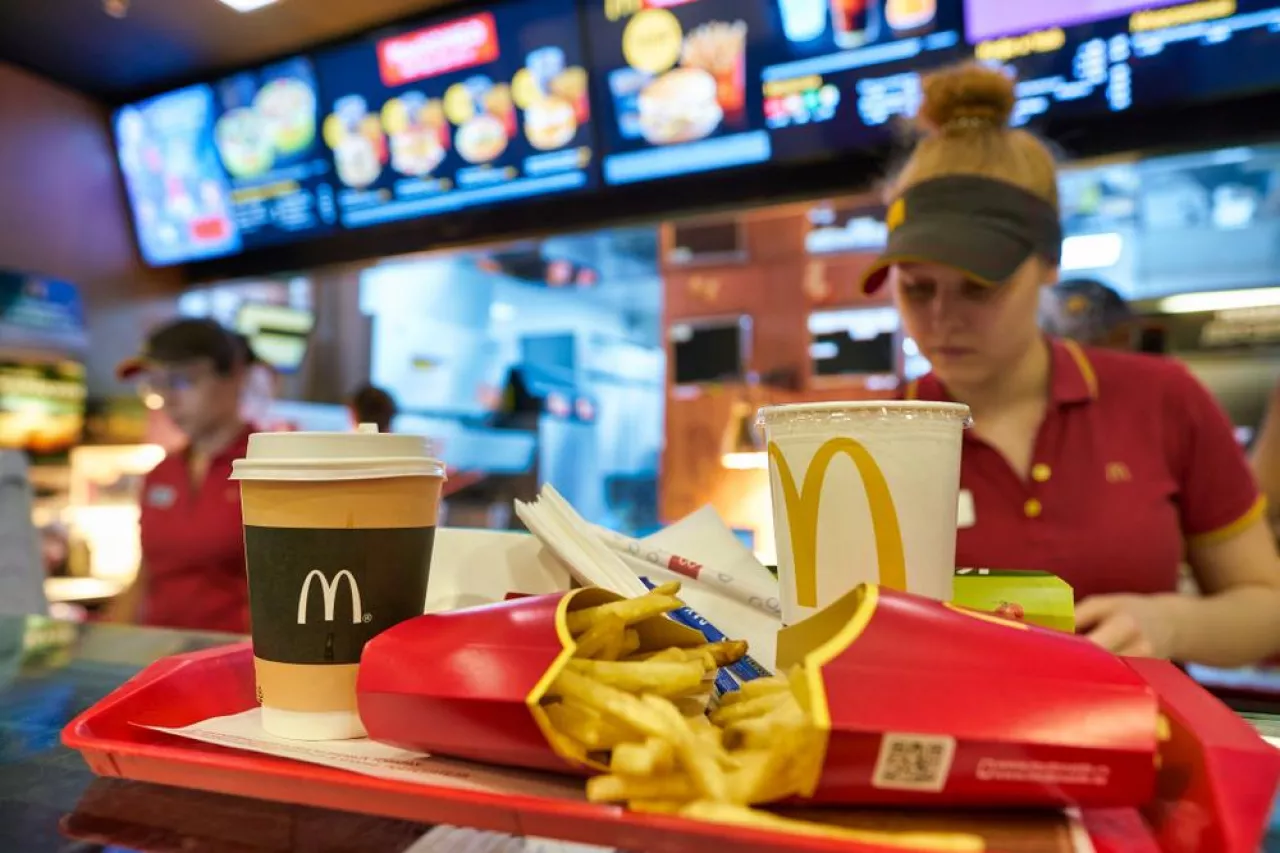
[(1038, 598)]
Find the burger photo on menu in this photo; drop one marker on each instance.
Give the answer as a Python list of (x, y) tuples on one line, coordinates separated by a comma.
[(680, 106), (554, 98), (485, 116), (550, 123), (418, 133), (357, 140)]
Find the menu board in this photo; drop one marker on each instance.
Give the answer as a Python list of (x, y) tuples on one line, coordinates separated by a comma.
[(698, 85), (215, 169), (179, 194), (488, 107), (268, 141), (678, 81), (1077, 57), (852, 66)]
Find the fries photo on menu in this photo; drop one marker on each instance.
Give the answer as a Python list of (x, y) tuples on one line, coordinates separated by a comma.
[(720, 49)]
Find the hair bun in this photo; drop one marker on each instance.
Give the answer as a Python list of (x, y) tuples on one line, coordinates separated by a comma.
[(966, 98)]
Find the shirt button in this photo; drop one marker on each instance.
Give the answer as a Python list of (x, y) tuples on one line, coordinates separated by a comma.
[(1041, 473), (1032, 508)]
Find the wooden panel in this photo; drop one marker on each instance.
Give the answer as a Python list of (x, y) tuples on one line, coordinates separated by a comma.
[(776, 235), (713, 292), (63, 213), (779, 288), (693, 474), (834, 280)]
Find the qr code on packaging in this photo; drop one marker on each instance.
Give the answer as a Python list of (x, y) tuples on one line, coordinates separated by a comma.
[(910, 762)]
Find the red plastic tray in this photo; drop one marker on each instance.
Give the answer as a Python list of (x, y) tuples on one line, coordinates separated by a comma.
[(183, 690)]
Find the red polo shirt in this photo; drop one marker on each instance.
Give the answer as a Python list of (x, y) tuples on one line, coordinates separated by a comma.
[(1134, 459), (193, 546)]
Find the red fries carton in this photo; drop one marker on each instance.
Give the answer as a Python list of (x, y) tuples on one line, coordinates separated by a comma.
[(469, 684), (932, 704), (1217, 784)]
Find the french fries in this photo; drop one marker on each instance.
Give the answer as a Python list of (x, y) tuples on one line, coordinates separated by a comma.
[(641, 714)]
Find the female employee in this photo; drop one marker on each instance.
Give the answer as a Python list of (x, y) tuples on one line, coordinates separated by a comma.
[(1100, 466), (193, 571)]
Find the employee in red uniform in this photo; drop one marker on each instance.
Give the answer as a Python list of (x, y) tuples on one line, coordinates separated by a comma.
[(1265, 456), (1103, 467), (193, 571)]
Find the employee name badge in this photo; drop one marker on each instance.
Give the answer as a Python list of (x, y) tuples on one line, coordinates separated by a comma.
[(965, 515), (161, 497)]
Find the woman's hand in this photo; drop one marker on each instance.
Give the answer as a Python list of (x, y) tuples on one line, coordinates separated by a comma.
[(1132, 625)]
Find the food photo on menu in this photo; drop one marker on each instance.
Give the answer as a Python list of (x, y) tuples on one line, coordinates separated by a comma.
[(267, 138), (679, 82), (179, 193), (712, 84), (851, 67), (465, 111)]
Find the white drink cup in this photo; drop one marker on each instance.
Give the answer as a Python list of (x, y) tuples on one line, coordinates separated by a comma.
[(803, 20), (863, 492)]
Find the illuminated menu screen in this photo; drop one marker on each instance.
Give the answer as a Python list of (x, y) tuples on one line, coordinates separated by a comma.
[(698, 85), (851, 67), (216, 169), (1074, 57), (268, 141), (179, 194), (41, 405), (466, 111)]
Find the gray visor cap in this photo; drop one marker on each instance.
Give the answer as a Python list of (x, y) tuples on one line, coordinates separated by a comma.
[(983, 227)]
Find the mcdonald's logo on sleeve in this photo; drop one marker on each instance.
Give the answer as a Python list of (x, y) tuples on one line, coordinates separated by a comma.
[(803, 503), (329, 596)]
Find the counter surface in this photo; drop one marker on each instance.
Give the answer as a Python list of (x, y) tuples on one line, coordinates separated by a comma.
[(50, 803)]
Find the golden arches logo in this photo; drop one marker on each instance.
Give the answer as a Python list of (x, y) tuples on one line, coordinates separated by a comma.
[(802, 504)]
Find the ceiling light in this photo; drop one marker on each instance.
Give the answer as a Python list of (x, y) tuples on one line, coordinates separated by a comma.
[(1222, 300), (1091, 251), (247, 5)]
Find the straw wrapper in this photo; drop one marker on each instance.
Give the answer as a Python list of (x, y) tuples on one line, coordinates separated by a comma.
[(642, 555)]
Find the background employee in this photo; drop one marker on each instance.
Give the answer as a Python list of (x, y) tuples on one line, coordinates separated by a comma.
[(371, 405), (193, 569)]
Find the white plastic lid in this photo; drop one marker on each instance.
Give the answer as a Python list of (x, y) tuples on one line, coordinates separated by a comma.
[(364, 454), (815, 413)]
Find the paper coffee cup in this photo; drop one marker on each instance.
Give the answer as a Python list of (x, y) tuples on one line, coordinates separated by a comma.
[(338, 531), (863, 492)]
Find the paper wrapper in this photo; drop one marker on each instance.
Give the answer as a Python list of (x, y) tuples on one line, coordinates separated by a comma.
[(923, 703), (468, 684)]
